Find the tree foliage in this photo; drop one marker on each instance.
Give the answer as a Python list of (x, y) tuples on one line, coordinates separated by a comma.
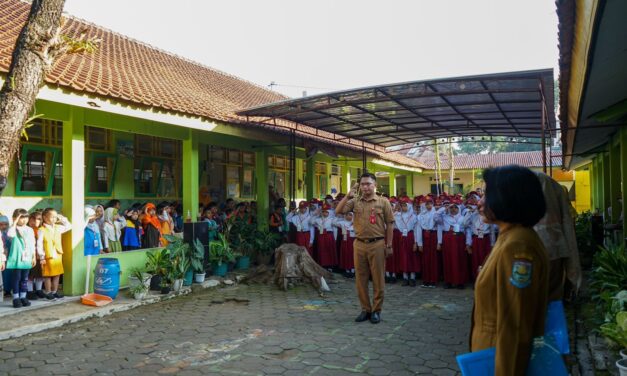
[(504, 144)]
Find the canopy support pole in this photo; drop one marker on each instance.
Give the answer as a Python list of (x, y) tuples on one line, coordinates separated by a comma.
[(364, 161), (292, 166), (543, 138)]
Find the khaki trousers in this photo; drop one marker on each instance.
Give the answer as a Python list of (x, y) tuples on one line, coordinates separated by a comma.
[(369, 262)]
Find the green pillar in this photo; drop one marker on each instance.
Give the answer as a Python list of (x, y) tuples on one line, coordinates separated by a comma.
[(74, 202), (190, 176), (409, 184), (310, 178), (623, 170), (606, 183), (346, 178), (593, 192), (392, 182), (263, 201), (615, 180)]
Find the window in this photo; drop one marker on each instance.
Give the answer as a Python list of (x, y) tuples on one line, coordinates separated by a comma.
[(278, 163), (158, 167), (247, 183), (35, 177), (57, 184), (44, 132), (336, 170), (235, 157), (100, 173), (232, 182), (249, 158), (97, 139), (321, 168)]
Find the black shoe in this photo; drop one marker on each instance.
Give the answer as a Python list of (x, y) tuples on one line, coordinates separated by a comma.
[(58, 295), (25, 302), (17, 303), (432, 285), (405, 283), (460, 287), (392, 279), (375, 318), (448, 286), (363, 316), (40, 294), (49, 296), (31, 295), (425, 285), (412, 283)]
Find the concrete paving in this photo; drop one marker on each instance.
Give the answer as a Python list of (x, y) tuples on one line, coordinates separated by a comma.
[(256, 330)]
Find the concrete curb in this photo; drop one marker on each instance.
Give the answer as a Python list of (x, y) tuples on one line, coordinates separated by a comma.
[(120, 306)]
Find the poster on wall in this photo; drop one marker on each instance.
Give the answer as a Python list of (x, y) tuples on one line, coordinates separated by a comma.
[(247, 183), (125, 148), (232, 182)]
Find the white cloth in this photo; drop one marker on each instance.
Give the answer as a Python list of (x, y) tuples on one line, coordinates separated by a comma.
[(301, 221), (426, 220), (475, 225), (346, 227), (322, 223), (405, 222)]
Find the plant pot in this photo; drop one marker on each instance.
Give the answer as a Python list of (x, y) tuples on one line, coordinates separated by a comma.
[(230, 266), (219, 270), (189, 278), (139, 295), (199, 277), (243, 263), (623, 354), (165, 290), (622, 367), (155, 282), (134, 282), (176, 286)]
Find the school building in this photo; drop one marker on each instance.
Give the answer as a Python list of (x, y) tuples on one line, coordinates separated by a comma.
[(593, 100), (138, 124)]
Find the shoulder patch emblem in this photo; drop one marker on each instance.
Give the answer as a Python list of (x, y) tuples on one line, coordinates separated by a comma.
[(521, 273)]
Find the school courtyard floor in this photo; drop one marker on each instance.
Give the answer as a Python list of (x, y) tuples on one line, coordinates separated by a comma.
[(257, 330)]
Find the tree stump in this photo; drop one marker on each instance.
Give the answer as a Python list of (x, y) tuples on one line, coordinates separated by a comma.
[(294, 265)]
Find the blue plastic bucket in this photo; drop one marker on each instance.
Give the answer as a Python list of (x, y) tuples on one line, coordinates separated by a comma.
[(243, 263), (219, 270), (188, 278), (107, 277)]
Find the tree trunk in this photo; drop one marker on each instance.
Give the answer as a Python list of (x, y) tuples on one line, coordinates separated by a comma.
[(33, 55)]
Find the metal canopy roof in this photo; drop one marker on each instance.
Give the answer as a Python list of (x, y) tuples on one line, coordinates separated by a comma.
[(504, 104)]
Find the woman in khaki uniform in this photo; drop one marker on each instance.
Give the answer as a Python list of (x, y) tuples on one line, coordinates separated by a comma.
[(511, 291)]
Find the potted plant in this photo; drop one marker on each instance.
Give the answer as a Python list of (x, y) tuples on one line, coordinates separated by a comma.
[(220, 254), (265, 244), (178, 272), (165, 285), (137, 276), (180, 259), (197, 258), (157, 263), (139, 291), (241, 236)]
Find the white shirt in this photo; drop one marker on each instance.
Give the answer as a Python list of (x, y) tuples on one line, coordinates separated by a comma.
[(449, 222), (405, 222), (426, 220), (346, 227), (62, 228), (322, 223), (301, 221), (476, 226)]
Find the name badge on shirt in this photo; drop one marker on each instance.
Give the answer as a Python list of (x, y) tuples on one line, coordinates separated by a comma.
[(480, 234), (280, 228), (345, 236), (96, 243), (404, 233), (373, 217), (456, 228), (299, 228), (321, 231)]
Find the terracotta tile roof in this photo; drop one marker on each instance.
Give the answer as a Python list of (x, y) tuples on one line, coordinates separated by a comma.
[(133, 72), (478, 161)]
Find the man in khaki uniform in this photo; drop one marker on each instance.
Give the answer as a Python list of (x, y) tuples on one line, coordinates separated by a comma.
[(373, 223)]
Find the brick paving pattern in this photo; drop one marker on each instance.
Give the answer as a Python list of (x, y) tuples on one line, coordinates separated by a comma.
[(257, 330)]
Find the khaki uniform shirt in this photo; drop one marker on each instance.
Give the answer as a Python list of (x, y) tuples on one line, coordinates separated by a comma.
[(511, 298), (379, 206)]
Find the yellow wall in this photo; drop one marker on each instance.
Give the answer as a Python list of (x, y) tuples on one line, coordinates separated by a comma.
[(582, 189)]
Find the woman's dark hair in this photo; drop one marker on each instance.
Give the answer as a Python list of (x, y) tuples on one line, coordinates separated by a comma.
[(112, 203), (513, 194), (368, 175)]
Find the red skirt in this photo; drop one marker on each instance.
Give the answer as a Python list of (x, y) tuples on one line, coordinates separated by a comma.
[(430, 264), (392, 262), (480, 250), (409, 260), (454, 258), (327, 253), (302, 238), (346, 253)]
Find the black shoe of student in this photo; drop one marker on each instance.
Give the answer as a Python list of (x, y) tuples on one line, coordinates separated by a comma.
[(448, 286), (405, 283), (432, 285), (25, 302), (460, 287), (31, 295), (412, 283), (17, 303), (58, 295), (375, 318), (387, 279), (363, 316), (392, 279), (49, 296), (425, 285), (40, 294)]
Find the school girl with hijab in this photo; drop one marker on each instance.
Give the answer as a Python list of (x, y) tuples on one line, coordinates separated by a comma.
[(427, 241), (408, 260), (167, 224), (132, 232), (453, 246), (113, 230), (151, 226), (325, 235), (392, 262), (50, 250), (346, 260), (34, 222), (480, 237), (301, 220), (21, 256), (92, 239)]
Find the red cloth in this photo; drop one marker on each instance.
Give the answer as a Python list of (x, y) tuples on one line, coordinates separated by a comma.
[(346, 253), (327, 253), (302, 239), (480, 250), (454, 258), (430, 267), (392, 263), (409, 261)]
